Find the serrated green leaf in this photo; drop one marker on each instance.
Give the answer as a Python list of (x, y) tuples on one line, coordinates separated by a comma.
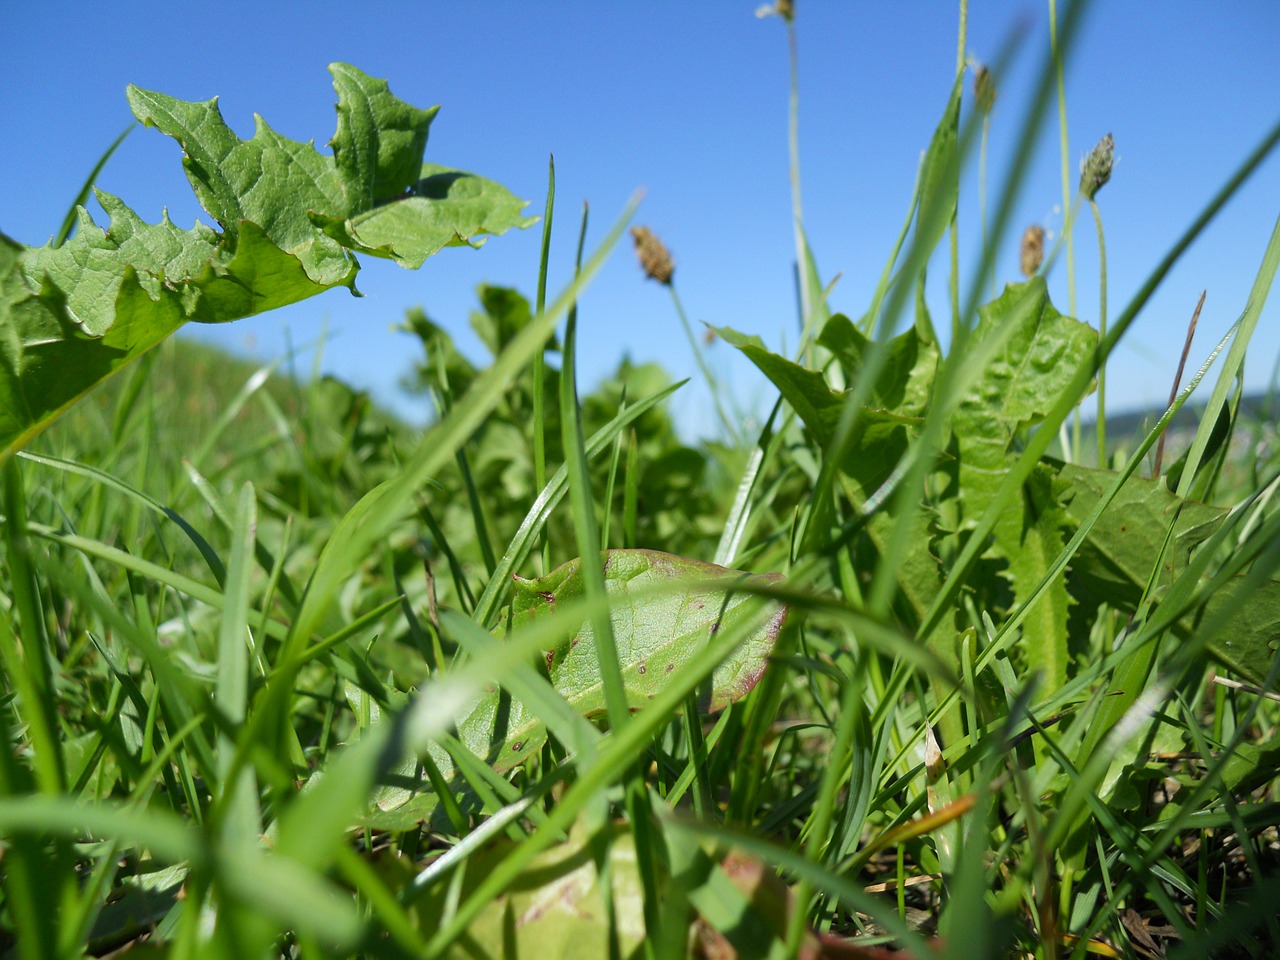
[(1114, 564), (1032, 551), (380, 140), (1036, 353), (269, 180), (655, 637), (88, 268), (880, 437), (46, 359), (290, 217), (905, 381), (1024, 377), (445, 208)]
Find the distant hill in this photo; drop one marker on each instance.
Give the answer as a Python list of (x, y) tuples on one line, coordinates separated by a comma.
[(1135, 423)]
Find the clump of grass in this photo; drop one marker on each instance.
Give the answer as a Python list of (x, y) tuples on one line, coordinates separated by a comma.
[(245, 636)]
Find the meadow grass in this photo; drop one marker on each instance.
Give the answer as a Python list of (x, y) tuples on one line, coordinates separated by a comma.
[(243, 627)]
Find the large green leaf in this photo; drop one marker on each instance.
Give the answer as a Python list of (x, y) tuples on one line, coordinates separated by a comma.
[(656, 635), (444, 208), (558, 907), (895, 409), (880, 436), (289, 218), (1033, 352), (1114, 564)]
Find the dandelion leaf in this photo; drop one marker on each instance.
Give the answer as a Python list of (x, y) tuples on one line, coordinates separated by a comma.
[(656, 636), (289, 220)]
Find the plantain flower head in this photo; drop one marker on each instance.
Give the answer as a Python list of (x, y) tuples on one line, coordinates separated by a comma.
[(1095, 171)]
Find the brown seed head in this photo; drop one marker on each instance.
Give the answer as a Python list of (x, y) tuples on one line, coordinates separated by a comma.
[(984, 88), (1095, 171), (1032, 250), (655, 259)]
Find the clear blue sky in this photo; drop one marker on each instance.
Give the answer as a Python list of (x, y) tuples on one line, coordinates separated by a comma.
[(688, 101)]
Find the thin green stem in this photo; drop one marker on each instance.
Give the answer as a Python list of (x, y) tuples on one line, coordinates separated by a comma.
[(1056, 53), (26, 654), (954, 283), (712, 383), (982, 192), (793, 154), (539, 360), (1102, 333)]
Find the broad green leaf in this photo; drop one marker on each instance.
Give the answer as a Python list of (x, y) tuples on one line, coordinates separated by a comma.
[(289, 218), (881, 435), (1036, 356), (557, 906), (444, 208), (1251, 639), (905, 380), (655, 636), (1114, 564)]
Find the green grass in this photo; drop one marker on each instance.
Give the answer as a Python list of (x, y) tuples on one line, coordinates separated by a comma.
[(268, 687)]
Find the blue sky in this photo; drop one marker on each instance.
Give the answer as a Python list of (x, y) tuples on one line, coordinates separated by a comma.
[(689, 102)]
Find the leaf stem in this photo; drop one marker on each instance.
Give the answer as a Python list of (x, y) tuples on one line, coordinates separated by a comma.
[(954, 282), (1056, 53), (712, 383), (1177, 380), (793, 154), (1101, 421)]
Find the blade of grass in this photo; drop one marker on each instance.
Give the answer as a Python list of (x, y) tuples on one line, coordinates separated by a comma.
[(238, 797), (29, 666), (584, 516), (73, 216), (486, 608), (373, 516), (587, 536), (539, 358), (207, 553), (1235, 357), (631, 491), (612, 480), (1039, 442)]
